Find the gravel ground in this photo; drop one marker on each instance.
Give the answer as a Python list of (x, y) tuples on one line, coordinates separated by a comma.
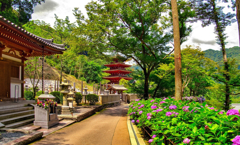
[(9, 136)]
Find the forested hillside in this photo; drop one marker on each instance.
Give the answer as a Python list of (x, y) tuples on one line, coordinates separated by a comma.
[(216, 55)]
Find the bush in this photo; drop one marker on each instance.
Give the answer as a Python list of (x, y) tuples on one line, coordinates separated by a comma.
[(38, 93), (92, 98), (185, 120), (78, 98), (28, 95), (58, 96)]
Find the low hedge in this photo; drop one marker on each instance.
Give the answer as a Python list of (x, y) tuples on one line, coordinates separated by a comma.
[(92, 98), (186, 122), (58, 96)]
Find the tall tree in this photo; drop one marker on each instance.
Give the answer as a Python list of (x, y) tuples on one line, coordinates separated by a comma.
[(18, 11), (131, 29), (177, 52), (209, 13)]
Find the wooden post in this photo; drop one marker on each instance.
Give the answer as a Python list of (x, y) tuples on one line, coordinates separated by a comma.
[(177, 52)]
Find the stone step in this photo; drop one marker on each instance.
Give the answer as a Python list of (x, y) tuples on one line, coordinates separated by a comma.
[(17, 119), (15, 109), (21, 123), (16, 114)]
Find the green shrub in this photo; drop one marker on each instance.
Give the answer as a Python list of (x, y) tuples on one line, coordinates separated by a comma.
[(78, 98), (38, 93), (28, 95), (58, 96), (92, 98)]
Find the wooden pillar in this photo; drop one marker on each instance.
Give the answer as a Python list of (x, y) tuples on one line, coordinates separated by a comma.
[(23, 59)]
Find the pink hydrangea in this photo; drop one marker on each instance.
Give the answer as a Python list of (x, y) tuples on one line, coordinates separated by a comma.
[(137, 99), (185, 108), (150, 140), (175, 113), (211, 108), (220, 112), (158, 110), (168, 113), (173, 107), (137, 121), (149, 114), (154, 136), (149, 117), (152, 101), (134, 107), (139, 103), (153, 107), (140, 112), (236, 140), (141, 106), (133, 121), (162, 102), (186, 140), (233, 112)]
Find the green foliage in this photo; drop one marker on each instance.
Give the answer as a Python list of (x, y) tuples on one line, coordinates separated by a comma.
[(92, 72), (39, 93), (28, 95), (58, 96), (78, 98), (92, 98), (200, 123)]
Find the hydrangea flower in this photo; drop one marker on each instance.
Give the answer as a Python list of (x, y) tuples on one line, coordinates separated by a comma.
[(137, 99), (173, 107), (133, 121), (134, 107), (141, 106), (236, 140), (150, 140), (153, 107), (168, 113), (185, 108), (162, 102), (139, 103), (154, 136), (186, 140), (149, 117), (140, 112), (220, 112), (152, 101), (158, 110), (233, 112), (149, 114), (211, 108), (175, 113), (206, 127), (137, 121)]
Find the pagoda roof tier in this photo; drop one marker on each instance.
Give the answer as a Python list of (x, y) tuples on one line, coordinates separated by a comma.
[(21, 43), (117, 64), (117, 71), (117, 78)]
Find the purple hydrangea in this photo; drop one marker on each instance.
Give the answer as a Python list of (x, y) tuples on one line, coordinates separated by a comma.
[(211, 108), (233, 112), (186, 140), (236, 140), (137, 99), (168, 113), (150, 140), (162, 102), (140, 112), (175, 113), (158, 110), (173, 107), (149, 117), (133, 121), (154, 136), (152, 101), (153, 107), (139, 103)]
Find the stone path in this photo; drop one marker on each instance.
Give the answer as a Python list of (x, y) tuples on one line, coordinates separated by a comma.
[(109, 127)]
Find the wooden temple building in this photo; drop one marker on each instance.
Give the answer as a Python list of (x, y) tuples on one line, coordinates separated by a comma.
[(16, 45), (117, 72)]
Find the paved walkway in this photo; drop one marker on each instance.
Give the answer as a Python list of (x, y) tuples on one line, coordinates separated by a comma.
[(106, 128)]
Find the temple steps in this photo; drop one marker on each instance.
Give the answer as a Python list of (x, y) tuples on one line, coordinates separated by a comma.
[(17, 116)]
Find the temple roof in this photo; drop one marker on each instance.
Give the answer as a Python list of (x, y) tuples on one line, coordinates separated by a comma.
[(17, 37), (117, 70), (117, 64)]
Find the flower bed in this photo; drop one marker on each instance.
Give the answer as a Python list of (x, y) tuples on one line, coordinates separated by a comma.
[(185, 122), (47, 104)]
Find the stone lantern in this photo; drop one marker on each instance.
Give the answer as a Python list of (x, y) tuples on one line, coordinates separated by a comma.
[(70, 98), (65, 85), (50, 88), (85, 90)]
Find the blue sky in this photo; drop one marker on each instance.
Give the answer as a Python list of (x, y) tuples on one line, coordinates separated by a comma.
[(202, 37)]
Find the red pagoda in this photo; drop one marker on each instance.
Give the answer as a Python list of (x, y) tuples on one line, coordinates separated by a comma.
[(117, 70)]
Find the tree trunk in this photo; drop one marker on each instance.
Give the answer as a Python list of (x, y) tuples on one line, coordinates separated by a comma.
[(177, 52), (226, 67), (238, 17), (155, 91)]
